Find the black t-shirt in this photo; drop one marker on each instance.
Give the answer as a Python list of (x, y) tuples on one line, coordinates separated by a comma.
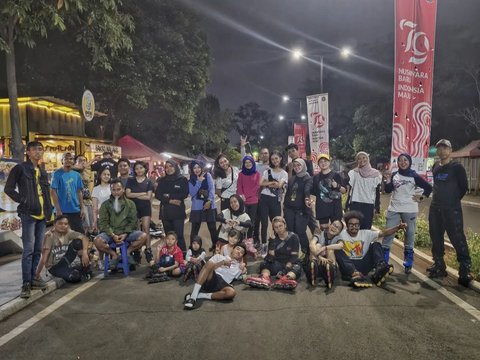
[(327, 197), (136, 187), (105, 163), (285, 250), (450, 184), (297, 191)]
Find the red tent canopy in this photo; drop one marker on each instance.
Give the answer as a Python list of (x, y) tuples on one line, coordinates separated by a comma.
[(470, 151), (135, 150)]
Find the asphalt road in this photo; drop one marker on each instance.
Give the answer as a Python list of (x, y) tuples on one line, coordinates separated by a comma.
[(124, 318)]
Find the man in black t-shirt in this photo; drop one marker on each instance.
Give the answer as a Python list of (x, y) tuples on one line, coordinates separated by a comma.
[(106, 162), (450, 184)]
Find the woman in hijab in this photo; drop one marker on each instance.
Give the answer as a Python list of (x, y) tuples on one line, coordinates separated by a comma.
[(248, 187), (171, 191), (363, 184), (407, 189), (297, 204), (202, 191), (234, 217)]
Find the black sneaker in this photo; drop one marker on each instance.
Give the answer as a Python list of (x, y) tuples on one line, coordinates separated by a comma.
[(465, 280), (189, 304), (137, 256), (148, 254), (38, 284), (437, 271), (26, 291)]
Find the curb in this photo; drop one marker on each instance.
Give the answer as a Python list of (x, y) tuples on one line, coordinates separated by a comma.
[(470, 203), (18, 303), (474, 285)]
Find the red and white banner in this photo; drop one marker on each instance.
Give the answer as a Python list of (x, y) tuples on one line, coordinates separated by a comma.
[(300, 138), (412, 100), (317, 109)]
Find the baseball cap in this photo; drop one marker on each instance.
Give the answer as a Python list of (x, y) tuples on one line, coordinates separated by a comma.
[(444, 142), (324, 156)]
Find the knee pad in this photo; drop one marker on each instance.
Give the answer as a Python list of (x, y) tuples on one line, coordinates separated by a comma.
[(77, 244), (74, 276)]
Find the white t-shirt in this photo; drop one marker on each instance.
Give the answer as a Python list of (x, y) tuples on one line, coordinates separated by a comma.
[(356, 248), (101, 193), (225, 228), (189, 254), (226, 183), (279, 176), (364, 189), (227, 273), (320, 239), (404, 188)]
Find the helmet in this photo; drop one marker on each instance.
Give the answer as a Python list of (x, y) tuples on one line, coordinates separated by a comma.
[(166, 260)]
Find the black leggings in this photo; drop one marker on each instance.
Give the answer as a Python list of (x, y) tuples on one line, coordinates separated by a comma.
[(178, 226), (269, 208), (211, 228), (63, 270), (251, 211)]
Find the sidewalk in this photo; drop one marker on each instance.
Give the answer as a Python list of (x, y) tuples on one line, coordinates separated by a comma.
[(471, 200)]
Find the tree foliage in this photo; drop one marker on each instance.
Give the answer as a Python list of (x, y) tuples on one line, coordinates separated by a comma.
[(252, 121)]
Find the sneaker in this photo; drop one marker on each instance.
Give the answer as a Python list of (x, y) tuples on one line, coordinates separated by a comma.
[(26, 291), (437, 271), (358, 281), (38, 284), (260, 282), (382, 271), (148, 255), (465, 280), (187, 297), (285, 283), (189, 304), (137, 256), (86, 276)]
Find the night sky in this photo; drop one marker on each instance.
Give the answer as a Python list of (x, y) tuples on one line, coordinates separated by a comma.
[(249, 41)]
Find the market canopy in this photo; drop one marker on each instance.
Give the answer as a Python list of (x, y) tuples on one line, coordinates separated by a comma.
[(470, 151), (135, 150)]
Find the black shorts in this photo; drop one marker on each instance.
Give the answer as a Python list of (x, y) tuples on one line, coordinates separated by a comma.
[(275, 267), (144, 210), (216, 283)]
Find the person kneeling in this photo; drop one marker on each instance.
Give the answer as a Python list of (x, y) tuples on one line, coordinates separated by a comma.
[(282, 260), (322, 257), (362, 252), (214, 281), (60, 249)]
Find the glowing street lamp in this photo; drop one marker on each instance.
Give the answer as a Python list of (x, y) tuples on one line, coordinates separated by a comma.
[(285, 98), (297, 54), (281, 117)]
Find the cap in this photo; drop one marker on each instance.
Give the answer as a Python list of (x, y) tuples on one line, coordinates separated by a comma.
[(444, 142), (324, 156)]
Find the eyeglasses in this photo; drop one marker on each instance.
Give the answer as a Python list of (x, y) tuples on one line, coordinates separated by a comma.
[(354, 224)]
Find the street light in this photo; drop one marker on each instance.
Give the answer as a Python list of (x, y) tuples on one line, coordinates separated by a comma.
[(285, 98), (281, 117), (297, 54)]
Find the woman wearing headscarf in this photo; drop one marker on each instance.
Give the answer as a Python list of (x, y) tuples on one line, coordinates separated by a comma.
[(297, 205), (248, 187), (363, 184), (171, 191), (407, 189), (202, 190), (225, 176), (234, 217)]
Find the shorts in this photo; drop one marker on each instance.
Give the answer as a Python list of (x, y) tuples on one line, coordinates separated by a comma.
[(275, 267), (131, 237), (144, 210), (216, 283)]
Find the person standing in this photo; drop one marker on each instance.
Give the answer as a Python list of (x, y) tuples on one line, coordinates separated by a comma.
[(226, 177), (82, 167), (328, 188), (123, 170), (34, 208), (407, 189), (363, 185), (139, 189), (450, 184), (67, 193), (171, 191), (248, 187), (106, 162)]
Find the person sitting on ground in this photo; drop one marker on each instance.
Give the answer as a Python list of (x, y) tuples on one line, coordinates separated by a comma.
[(322, 257), (233, 239), (117, 224), (195, 258), (170, 260), (234, 217), (214, 281), (61, 247), (281, 261), (362, 252)]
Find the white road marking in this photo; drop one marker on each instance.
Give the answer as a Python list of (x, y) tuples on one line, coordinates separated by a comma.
[(450, 296)]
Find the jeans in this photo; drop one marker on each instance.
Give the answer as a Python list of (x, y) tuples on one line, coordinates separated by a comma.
[(33, 232), (451, 221), (393, 219), (63, 268), (348, 266)]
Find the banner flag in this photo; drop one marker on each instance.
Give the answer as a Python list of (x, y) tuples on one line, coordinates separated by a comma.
[(300, 138), (413, 85), (317, 109)]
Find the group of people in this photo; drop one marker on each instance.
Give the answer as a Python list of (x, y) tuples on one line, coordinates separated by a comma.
[(294, 199)]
